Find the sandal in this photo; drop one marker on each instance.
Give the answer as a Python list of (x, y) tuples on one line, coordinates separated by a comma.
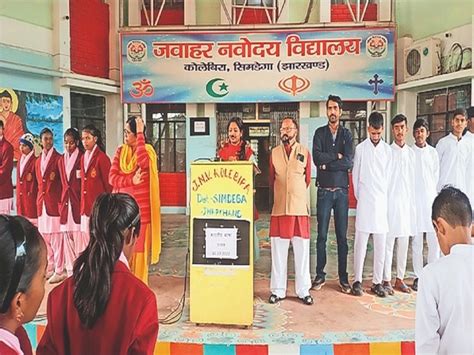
[(388, 288), (307, 300), (401, 286), (274, 299)]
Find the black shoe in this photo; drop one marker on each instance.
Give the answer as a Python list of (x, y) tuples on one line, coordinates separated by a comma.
[(388, 288), (308, 300), (318, 282), (274, 299), (357, 289), (379, 290), (414, 287), (345, 287)]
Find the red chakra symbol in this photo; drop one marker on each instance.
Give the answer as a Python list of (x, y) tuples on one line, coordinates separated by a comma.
[(141, 88), (294, 84)]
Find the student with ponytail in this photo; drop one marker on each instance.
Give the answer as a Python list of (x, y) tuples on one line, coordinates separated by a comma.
[(95, 166), (23, 265), (103, 308)]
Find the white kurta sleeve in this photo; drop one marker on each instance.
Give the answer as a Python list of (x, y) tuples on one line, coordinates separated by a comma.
[(427, 323), (356, 170)]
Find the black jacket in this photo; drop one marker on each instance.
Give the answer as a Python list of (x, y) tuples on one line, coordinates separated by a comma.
[(336, 172)]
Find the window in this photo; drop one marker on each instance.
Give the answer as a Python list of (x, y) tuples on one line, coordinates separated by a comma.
[(166, 129), (354, 118), (88, 109), (254, 11), (437, 107), (162, 12)]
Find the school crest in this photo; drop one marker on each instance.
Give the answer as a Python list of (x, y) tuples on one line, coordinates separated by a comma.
[(52, 176), (93, 173)]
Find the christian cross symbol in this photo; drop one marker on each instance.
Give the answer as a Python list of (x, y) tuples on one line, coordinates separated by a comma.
[(375, 82)]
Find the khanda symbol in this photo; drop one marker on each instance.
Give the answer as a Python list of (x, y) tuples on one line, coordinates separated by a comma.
[(294, 84)]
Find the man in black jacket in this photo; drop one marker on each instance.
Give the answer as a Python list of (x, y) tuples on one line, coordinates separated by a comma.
[(332, 155)]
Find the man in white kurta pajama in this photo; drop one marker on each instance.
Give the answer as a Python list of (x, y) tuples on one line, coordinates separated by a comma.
[(469, 141), (290, 176), (401, 206), (370, 177), (426, 182), (454, 154)]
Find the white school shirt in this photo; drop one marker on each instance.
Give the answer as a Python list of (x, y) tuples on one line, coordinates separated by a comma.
[(370, 177), (453, 157), (426, 183), (401, 192), (468, 140), (445, 304)]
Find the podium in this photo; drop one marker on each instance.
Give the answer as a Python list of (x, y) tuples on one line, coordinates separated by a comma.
[(221, 240)]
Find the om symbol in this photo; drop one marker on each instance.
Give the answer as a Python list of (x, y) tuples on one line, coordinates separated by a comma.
[(141, 88)]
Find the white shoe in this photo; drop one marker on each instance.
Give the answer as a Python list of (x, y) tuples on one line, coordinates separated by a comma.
[(57, 278)]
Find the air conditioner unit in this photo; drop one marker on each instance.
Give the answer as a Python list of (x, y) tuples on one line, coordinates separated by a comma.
[(422, 59)]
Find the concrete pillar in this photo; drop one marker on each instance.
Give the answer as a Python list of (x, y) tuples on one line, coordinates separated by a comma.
[(325, 11)]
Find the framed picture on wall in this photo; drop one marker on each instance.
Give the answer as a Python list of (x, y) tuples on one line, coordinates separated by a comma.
[(199, 126)]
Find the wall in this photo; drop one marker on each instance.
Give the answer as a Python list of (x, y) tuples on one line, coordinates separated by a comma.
[(36, 12), (208, 12), (421, 18)]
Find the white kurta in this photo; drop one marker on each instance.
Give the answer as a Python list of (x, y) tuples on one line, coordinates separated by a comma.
[(401, 192), (444, 304), (370, 177), (453, 157), (469, 141), (426, 183)]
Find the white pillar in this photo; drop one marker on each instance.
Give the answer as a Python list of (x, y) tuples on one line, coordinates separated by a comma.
[(113, 123), (189, 13), (406, 104), (61, 36), (305, 109), (384, 10), (325, 11), (134, 12), (284, 12)]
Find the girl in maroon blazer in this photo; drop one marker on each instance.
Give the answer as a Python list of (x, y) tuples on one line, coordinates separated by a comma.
[(104, 308), (26, 184), (23, 269), (95, 166), (70, 205), (47, 205)]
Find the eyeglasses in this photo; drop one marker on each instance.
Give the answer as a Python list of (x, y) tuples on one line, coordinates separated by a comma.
[(19, 263), (287, 129)]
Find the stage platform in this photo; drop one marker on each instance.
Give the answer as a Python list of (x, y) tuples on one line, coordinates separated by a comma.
[(335, 324)]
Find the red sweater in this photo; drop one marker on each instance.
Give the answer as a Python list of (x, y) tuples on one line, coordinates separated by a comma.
[(49, 186), (95, 180), (129, 324), (71, 190), (6, 168), (122, 182), (27, 189)]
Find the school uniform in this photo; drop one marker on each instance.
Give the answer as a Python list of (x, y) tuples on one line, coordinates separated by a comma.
[(70, 206), (370, 178), (27, 188), (453, 158), (47, 206), (15, 344), (95, 167), (444, 306), (6, 168), (426, 181), (129, 324), (401, 215)]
